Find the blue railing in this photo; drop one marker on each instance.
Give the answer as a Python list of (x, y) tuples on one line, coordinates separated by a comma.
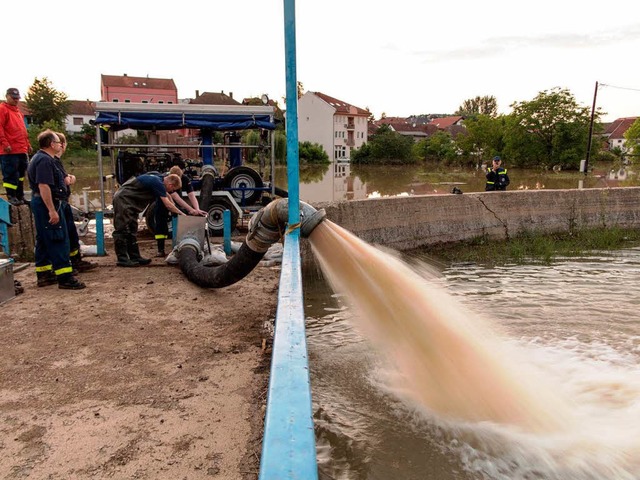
[(288, 447)]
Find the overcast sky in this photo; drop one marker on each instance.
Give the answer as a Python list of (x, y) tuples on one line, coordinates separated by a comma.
[(400, 57)]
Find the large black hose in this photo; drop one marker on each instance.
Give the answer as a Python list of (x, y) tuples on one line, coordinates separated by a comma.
[(208, 178), (265, 228), (222, 275)]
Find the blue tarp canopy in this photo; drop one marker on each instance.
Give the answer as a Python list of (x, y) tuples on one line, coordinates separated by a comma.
[(174, 117)]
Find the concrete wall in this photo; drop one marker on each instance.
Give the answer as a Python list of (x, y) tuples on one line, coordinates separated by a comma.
[(405, 223)]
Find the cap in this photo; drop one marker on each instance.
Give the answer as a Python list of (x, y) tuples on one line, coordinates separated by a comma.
[(13, 93), (497, 159)]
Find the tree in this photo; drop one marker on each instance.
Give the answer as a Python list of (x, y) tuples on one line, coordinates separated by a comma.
[(312, 153), (551, 129), (438, 146), (484, 138), (386, 147), (45, 103), (632, 137), (487, 105)]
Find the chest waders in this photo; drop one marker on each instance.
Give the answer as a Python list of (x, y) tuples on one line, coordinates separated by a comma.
[(128, 202)]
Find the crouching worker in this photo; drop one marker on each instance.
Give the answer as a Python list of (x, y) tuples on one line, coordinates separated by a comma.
[(48, 203), (128, 202)]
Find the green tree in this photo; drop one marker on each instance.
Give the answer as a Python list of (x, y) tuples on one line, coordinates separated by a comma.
[(439, 146), (385, 147), (46, 103), (35, 130), (312, 153), (487, 105), (484, 138), (632, 137), (554, 125)]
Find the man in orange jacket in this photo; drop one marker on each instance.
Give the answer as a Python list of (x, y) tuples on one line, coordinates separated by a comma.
[(14, 147)]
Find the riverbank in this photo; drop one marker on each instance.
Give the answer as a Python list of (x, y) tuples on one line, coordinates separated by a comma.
[(140, 375)]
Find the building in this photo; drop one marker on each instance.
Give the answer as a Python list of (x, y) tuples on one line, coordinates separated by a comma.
[(126, 89), (409, 129), (214, 98), (614, 133), (80, 112), (337, 126)]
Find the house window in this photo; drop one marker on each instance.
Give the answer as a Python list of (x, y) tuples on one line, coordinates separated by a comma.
[(169, 102), (160, 101), (115, 100), (77, 121), (126, 100), (145, 101)]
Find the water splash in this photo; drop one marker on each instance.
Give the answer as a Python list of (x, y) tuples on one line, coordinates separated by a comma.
[(502, 405)]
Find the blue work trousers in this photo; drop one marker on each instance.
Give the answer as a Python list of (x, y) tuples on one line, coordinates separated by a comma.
[(52, 241)]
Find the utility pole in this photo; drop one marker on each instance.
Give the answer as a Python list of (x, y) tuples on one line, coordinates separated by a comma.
[(593, 112)]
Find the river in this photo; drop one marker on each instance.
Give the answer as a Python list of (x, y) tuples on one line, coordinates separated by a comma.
[(572, 322)]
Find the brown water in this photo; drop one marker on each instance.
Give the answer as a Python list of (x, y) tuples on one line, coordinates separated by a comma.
[(451, 361), (474, 392)]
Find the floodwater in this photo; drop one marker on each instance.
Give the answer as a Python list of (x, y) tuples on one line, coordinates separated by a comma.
[(566, 334), (344, 181)]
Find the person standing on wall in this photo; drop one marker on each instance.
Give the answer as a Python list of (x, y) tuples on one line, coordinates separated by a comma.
[(14, 147), (47, 204), (128, 202), (497, 178), (161, 214)]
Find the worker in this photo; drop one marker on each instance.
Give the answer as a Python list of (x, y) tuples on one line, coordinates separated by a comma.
[(128, 202), (161, 214), (497, 178), (14, 147)]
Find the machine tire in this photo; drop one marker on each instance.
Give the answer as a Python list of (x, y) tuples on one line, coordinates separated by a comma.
[(244, 177), (150, 218), (215, 221)]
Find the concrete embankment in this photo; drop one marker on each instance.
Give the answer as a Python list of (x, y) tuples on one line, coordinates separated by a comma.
[(404, 223)]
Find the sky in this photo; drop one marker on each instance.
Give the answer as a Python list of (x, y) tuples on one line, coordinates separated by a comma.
[(401, 57)]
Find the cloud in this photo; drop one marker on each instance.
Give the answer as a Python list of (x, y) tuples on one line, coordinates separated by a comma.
[(495, 46)]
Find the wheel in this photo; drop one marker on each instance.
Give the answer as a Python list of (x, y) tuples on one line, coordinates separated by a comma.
[(244, 177), (215, 215), (150, 218)]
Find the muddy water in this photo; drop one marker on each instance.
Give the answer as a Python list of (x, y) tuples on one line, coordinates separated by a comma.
[(522, 372)]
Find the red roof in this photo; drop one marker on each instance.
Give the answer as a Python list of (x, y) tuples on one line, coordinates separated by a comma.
[(617, 128), (340, 106), (444, 122), (82, 107), (131, 82)]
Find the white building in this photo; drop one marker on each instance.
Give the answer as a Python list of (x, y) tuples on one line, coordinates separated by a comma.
[(336, 125), (80, 112)]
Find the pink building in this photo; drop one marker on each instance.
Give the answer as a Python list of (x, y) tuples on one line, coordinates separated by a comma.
[(126, 89)]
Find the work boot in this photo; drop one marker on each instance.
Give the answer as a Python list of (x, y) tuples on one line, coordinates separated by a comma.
[(134, 251), (161, 252), (69, 282), (122, 253), (46, 278), (13, 200), (80, 265)]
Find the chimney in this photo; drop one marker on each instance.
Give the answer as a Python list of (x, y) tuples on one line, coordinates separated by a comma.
[(125, 75), (230, 94), (197, 93)]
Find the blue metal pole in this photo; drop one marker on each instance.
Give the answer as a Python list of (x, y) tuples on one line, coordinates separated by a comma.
[(226, 231), (100, 234), (293, 173), (207, 141)]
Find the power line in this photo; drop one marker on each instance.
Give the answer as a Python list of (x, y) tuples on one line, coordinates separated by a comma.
[(621, 88)]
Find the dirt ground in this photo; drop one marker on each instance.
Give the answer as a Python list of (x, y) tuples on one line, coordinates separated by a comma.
[(142, 375)]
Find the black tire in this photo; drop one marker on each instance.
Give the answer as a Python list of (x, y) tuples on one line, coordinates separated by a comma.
[(244, 177), (215, 218), (150, 218)]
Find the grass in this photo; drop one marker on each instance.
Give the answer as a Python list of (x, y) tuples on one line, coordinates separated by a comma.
[(531, 247)]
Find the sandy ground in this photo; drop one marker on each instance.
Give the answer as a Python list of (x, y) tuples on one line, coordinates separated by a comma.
[(142, 375)]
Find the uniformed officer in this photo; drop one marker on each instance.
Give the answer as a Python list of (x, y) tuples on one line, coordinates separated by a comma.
[(497, 178), (48, 202), (128, 202)]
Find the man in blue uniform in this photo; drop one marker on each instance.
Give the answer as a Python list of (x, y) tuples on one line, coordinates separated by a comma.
[(497, 178), (161, 214), (48, 202), (128, 202)]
